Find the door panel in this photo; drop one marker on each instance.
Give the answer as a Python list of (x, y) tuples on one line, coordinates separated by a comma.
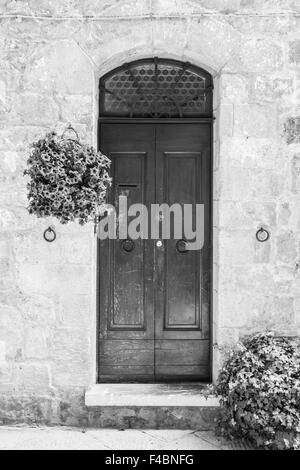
[(154, 301), (180, 270), (126, 360), (127, 292), (182, 294), (181, 360), (126, 327)]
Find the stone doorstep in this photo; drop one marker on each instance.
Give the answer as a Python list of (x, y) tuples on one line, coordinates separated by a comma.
[(150, 395)]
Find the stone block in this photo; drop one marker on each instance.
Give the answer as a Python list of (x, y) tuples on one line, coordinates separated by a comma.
[(4, 267), (296, 173), (294, 52), (169, 35), (287, 212), (262, 252), (53, 278), (249, 152), (32, 409), (71, 410), (236, 247), (297, 311), (30, 378), (110, 8), (2, 354), (261, 214), (101, 42), (284, 286), (4, 247), (265, 25), (249, 279), (267, 185), (17, 138), (243, 184), (39, 310), (286, 247), (154, 417), (257, 55), (9, 163), (37, 342), (222, 6), (277, 315), (246, 215), (225, 121), (2, 93), (71, 358), (16, 218), (61, 67), (76, 311), (235, 88), (6, 274), (11, 330), (13, 196), (180, 7), (256, 6), (76, 108), (219, 45), (234, 184), (292, 130), (185, 8), (270, 88), (69, 247), (45, 7), (284, 210), (234, 311), (11, 77), (232, 216), (228, 337), (255, 121), (33, 109)]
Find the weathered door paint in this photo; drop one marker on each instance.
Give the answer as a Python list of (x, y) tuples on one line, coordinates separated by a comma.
[(154, 301)]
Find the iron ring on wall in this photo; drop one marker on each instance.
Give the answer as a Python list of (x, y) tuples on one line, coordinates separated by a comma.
[(262, 235), (49, 235)]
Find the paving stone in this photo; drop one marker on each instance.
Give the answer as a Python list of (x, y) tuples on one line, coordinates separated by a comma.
[(55, 438)]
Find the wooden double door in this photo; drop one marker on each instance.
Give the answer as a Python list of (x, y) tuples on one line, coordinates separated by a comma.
[(153, 297)]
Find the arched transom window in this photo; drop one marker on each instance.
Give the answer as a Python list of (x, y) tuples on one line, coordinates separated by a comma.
[(156, 88)]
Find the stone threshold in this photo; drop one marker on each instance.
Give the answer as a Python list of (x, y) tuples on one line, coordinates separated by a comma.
[(145, 395)]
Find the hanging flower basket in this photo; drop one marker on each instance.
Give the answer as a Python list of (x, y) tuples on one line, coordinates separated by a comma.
[(68, 180)]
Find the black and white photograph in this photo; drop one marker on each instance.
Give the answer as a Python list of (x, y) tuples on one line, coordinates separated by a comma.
[(150, 228)]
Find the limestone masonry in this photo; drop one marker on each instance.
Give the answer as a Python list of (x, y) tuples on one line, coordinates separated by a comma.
[(52, 55)]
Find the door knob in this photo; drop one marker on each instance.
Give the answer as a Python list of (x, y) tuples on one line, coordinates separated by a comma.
[(181, 246), (127, 245), (159, 243)]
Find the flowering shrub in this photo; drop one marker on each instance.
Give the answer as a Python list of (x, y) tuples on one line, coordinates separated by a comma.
[(68, 180), (259, 386)]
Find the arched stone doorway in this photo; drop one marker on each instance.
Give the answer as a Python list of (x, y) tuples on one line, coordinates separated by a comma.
[(155, 123)]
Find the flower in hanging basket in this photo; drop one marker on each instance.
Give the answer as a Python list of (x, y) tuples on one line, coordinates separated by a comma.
[(68, 180)]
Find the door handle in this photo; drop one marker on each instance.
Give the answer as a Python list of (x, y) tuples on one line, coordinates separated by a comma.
[(127, 245), (181, 246)]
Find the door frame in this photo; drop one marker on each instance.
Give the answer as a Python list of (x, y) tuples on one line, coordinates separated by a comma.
[(118, 120)]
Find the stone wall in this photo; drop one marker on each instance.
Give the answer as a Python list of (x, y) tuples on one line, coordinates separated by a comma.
[(52, 54)]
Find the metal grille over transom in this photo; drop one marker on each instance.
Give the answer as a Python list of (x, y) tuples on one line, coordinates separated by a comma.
[(156, 88)]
